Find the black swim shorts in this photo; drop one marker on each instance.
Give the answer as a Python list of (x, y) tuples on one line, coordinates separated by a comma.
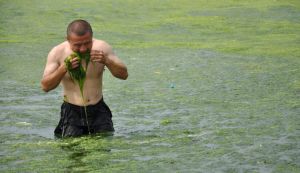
[(74, 122)]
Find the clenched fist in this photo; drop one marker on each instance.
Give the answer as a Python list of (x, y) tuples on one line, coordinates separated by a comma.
[(98, 56)]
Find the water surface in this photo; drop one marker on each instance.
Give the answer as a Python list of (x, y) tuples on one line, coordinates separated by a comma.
[(213, 87)]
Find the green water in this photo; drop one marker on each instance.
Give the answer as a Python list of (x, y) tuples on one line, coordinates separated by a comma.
[(213, 86)]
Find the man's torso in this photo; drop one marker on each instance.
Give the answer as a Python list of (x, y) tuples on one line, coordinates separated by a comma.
[(92, 90)]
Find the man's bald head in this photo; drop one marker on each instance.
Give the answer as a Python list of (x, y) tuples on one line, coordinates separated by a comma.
[(79, 27)]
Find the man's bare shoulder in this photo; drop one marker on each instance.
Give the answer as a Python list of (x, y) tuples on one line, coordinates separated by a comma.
[(100, 44), (97, 41), (60, 51), (60, 48)]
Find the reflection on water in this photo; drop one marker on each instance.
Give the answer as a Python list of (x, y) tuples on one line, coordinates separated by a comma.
[(201, 97)]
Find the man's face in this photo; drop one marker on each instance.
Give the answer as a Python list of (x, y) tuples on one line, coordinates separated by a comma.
[(80, 44)]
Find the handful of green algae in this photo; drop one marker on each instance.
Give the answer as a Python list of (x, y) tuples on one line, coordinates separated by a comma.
[(78, 74)]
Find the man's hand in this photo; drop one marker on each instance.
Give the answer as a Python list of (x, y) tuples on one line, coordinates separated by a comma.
[(74, 62), (99, 56)]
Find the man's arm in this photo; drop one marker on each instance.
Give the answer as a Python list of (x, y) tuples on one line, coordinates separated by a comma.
[(116, 66), (53, 73), (107, 57)]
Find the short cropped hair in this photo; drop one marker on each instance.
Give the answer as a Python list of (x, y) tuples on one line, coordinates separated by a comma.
[(79, 27)]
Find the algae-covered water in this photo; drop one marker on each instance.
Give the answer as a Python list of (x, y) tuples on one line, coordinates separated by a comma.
[(213, 86)]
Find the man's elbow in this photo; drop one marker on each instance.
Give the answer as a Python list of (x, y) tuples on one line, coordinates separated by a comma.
[(44, 86), (124, 75)]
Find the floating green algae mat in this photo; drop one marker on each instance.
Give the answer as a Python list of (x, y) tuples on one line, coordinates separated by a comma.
[(213, 87)]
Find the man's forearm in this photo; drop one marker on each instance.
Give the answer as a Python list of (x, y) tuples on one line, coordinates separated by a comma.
[(52, 80), (119, 70)]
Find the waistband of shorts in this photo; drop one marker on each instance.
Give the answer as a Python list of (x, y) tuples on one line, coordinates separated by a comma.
[(82, 107)]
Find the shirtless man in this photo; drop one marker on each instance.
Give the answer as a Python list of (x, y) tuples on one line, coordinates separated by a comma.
[(73, 120)]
